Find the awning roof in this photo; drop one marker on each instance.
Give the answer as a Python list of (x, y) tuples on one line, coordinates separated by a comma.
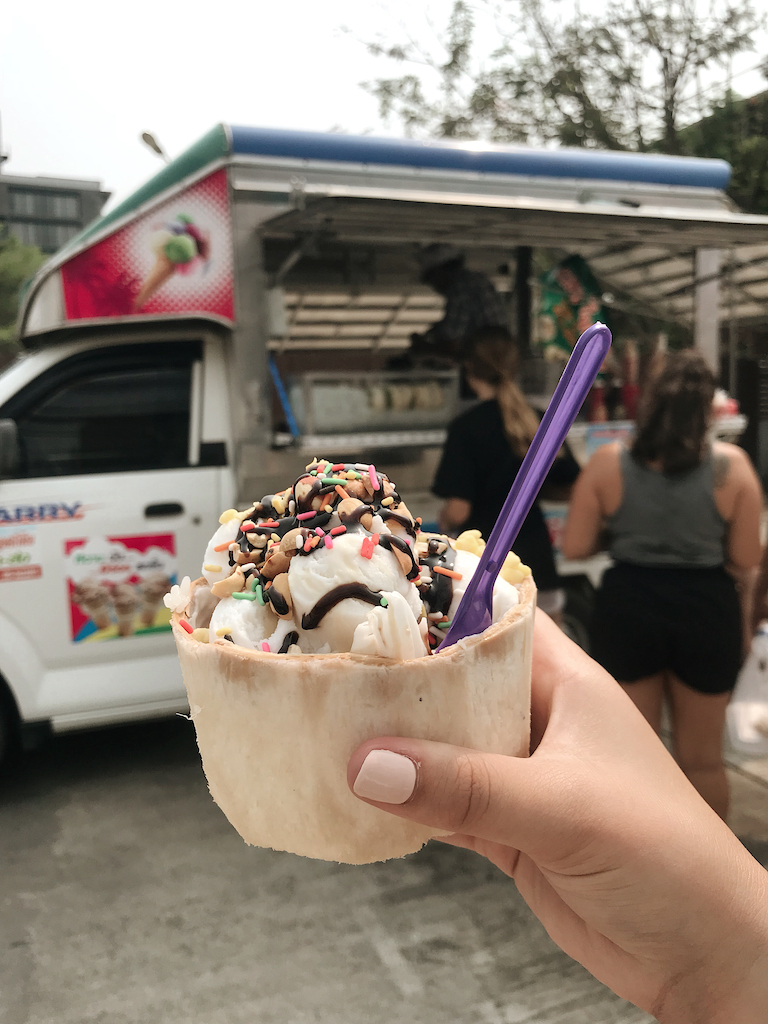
[(646, 253)]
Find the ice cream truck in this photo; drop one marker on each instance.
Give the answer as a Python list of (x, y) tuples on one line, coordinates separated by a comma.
[(239, 314)]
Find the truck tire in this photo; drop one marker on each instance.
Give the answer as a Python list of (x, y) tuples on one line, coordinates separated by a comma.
[(10, 734)]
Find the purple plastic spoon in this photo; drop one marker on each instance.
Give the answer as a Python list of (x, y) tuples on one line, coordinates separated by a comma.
[(475, 611)]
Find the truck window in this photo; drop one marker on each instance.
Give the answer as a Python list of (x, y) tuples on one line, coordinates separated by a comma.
[(109, 421)]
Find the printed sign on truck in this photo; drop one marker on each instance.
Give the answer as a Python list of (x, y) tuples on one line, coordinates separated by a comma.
[(116, 585), (175, 259)]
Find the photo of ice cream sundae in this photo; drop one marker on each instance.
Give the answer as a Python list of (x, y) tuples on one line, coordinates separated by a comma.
[(318, 621)]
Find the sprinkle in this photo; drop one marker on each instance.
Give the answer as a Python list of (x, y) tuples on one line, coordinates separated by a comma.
[(299, 542), (211, 568), (291, 506), (448, 572), (275, 537), (445, 625), (313, 472), (319, 532), (314, 541), (246, 566), (221, 547), (338, 530), (366, 549), (337, 466), (434, 616), (327, 508), (340, 490), (418, 520), (328, 481), (253, 582), (383, 602), (388, 501), (352, 475), (259, 594), (328, 540), (360, 465), (375, 539), (265, 647), (306, 515), (278, 505), (426, 580), (308, 545), (374, 479), (223, 631), (247, 526), (244, 596), (185, 625), (225, 517), (270, 524)]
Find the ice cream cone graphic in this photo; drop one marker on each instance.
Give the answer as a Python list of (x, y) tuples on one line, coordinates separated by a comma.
[(94, 600), (126, 602), (176, 246), (153, 588)]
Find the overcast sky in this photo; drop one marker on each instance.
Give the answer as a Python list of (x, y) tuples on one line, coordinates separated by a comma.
[(80, 81)]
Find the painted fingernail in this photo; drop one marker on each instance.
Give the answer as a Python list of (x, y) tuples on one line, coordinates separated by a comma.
[(386, 776)]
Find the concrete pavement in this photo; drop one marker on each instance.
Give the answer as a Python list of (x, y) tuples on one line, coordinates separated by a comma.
[(128, 899)]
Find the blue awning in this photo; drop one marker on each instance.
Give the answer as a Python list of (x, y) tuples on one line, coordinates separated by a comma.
[(482, 157)]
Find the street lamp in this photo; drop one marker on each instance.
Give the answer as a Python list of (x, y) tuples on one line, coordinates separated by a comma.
[(151, 142)]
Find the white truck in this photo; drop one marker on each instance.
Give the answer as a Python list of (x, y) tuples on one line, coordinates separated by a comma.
[(237, 315)]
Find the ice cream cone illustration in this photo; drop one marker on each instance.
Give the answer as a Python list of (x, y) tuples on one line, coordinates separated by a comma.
[(175, 247), (153, 588), (95, 601), (126, 602)]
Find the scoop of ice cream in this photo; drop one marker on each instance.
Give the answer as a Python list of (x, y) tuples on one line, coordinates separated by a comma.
[(90, 592), (125, 598), (337, 563), (180, 249)]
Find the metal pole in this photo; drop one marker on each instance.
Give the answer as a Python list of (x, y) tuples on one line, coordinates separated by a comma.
[(707, 306), (523, 295)]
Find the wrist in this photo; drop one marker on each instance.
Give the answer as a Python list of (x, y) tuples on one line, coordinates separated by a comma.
[(730, 984)]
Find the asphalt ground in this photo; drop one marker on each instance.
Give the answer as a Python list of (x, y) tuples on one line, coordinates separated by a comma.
[(128, 899)]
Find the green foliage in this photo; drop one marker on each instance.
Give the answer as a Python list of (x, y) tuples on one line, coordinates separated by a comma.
[(624, 76), (18, 262)]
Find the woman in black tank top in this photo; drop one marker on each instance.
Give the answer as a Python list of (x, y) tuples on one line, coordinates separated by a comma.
[(667, 620)]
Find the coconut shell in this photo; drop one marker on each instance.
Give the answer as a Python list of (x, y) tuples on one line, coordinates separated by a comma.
[(276, 731)]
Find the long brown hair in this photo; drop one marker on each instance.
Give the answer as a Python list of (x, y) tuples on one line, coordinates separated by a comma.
[(673, 417), (494, 358)]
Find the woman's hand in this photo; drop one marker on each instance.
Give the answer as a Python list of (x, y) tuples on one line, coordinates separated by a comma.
[(628, 869)]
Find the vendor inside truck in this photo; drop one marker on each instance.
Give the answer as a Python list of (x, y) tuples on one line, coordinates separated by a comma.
[(471, 303)]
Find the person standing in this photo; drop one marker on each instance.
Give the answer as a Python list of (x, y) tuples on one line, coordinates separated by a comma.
[(679, 511), (471, 302), (483, 452)]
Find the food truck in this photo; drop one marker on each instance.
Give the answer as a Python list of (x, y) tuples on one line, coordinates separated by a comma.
[(239, 314)]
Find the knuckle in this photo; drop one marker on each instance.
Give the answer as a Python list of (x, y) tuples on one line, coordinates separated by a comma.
[(472, 793)]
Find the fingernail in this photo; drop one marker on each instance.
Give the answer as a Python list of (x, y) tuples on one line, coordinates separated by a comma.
[(386, 776)]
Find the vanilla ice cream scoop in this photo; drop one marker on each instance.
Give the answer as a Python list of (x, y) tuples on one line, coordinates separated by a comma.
[(337, 563)]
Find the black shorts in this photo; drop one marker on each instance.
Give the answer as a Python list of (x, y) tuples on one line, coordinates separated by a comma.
[(650, 619)]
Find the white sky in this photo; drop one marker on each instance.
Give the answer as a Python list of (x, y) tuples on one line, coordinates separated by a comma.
[(80, 81)]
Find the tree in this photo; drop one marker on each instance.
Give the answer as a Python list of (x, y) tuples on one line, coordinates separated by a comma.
[(623, 77), (18, 262)]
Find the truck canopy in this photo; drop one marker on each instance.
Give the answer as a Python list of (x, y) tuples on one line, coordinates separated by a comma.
[(638, 219)]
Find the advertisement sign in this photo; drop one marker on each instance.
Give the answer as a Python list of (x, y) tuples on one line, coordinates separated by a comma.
[(116, 585), (18, 558), (599, 434), (175, 259)]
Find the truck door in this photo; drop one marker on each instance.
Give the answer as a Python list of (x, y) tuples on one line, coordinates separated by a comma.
[(113, 501)]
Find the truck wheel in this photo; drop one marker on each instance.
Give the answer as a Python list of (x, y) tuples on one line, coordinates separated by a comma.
[(9, 727)]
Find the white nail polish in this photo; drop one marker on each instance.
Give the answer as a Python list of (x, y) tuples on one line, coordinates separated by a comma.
[(386, 776)]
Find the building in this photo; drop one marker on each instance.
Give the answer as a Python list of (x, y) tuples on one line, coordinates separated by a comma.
[(47, 212)]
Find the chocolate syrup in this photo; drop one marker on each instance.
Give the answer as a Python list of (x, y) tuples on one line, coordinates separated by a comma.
[(439, 594), (315, 615), (289, 639), (277, 601), (388, 541)]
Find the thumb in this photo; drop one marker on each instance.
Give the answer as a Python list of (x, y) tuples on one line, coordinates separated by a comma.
[(512, 801)]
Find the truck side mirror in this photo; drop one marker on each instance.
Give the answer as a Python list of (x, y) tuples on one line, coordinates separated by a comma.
[(9, 448)]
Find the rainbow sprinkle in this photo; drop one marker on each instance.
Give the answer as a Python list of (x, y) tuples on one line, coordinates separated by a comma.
[(306, 515), (265, 647), (373, 478), (328, 540), (337, 530), (185, 625)]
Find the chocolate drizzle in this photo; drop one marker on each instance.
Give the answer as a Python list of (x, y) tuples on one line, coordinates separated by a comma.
[(313, 618), (277, 601), (388, 541), (437, 596), (288, 640)]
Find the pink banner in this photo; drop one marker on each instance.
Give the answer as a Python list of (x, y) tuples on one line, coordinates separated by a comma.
[(176, 259)]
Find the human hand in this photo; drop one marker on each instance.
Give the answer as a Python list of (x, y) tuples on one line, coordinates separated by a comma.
[(629, 870)]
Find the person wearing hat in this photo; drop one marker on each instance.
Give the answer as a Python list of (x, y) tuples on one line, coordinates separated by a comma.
[(471, 302)]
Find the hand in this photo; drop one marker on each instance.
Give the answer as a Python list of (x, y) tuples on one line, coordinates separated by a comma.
[(628, 869)]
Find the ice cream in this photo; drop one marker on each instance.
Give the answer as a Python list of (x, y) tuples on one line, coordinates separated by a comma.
[(315, 626), (126, 601), (152, 588), (95, 601), (176, 247)]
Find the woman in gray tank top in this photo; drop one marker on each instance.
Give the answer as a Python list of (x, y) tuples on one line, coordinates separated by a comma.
[(679, 512)]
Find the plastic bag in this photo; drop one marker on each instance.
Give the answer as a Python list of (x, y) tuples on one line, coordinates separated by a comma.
[(747, 713)]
